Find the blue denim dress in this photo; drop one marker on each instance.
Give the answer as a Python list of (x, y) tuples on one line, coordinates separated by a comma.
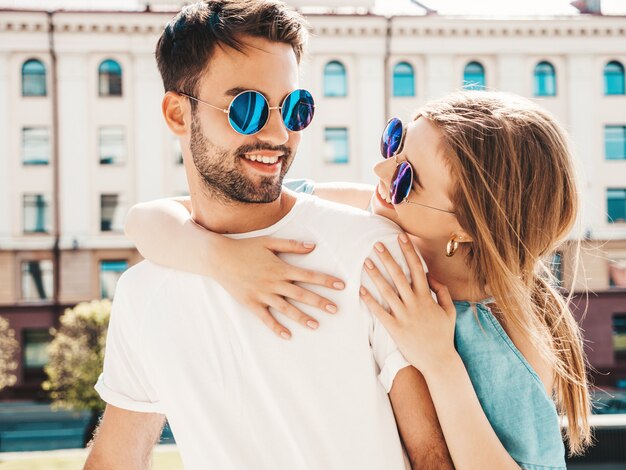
[(521, 413)]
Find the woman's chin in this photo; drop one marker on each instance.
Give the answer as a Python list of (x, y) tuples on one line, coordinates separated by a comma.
[(384, 211)]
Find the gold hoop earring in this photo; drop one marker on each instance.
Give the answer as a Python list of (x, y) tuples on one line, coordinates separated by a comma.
[(452, 246)]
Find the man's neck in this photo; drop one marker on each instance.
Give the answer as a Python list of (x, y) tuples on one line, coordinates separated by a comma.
[(219, 216)]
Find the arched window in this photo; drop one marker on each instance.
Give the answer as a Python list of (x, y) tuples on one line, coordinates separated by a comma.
[(335, 81), (545, 79), (110, 78), (403, 80), (33, 78), (614, 78), (474, 76)]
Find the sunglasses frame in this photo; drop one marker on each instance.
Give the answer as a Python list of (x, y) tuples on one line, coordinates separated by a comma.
[(394, 155), (269, 108)]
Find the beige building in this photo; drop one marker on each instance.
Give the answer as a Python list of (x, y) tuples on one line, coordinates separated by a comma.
[(82, 138)]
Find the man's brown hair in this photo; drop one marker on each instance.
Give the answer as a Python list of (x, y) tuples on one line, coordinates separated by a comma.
[(189, 39)]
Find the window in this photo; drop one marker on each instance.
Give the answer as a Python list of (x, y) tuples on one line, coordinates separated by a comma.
[(111, 213), (110, 78), (556, 267), (615, 142), (35, 357), (335, 82), (37, 280), (111, 145), (545, 79), (36, 214), (403, 80), (614, 78), (619, 335), (336, 147), (617, 273), (474, 76), (35, 146), (616, 205), (110, 272), (34, 78)]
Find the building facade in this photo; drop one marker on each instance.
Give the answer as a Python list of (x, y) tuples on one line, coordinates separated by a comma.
[(82, 139)]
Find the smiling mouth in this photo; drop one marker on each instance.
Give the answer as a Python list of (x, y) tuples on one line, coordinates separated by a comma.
[(263, 159), (384, 196)]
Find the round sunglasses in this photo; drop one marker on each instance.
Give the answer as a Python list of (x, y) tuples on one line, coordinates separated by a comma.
[(391, 144), (249, 111)]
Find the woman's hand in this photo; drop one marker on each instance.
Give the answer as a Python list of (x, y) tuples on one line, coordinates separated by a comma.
[(250, 270), (422, 328)]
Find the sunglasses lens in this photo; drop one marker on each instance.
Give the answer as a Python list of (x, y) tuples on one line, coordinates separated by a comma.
[(401, 183), (390, 140), (298, 109), (248, 112)]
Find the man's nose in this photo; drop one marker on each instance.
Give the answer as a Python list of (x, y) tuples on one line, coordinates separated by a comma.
[(274, 132)]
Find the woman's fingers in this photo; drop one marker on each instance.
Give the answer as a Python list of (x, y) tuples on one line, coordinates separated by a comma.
[(304, 296), (395, 272), (314, 277), (268, 320), (443, 295), (284, 245), (418, 276), (279, 304), (385, 318), (386, 290)]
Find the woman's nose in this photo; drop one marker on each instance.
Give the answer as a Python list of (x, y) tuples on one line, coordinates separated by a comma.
[(384, 169)]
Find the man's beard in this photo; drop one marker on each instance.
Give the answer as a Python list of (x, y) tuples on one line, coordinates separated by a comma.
[(222, 170)]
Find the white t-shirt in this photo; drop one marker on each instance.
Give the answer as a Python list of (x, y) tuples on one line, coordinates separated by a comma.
[(238, 397)]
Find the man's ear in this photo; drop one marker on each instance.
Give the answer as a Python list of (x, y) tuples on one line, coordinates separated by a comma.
[(174, 107)]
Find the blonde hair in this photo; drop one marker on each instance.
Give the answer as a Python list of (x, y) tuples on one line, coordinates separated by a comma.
[(516, 197)]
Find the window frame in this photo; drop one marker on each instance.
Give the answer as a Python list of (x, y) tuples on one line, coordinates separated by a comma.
[(343, 76), (541, 78), (620, 73), (467, 85), (334, 161), (396, 75), (31, 75), (108, 74)]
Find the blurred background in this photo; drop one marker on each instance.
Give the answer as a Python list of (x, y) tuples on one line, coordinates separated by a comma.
[(82, 140)]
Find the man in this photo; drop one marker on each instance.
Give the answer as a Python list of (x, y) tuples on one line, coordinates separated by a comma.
[(180, 347)]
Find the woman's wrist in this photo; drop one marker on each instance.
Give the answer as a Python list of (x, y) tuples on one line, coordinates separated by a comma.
[(212, 245), (448, 363)]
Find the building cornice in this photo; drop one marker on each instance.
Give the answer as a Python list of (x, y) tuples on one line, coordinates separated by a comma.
[(124, 22)]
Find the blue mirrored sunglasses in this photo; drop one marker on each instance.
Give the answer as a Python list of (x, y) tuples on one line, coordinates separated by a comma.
[(249, 111), (391, 144)]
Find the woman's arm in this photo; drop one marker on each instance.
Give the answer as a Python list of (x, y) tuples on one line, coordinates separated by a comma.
[(423, 329), (249, 269), (352, 194)]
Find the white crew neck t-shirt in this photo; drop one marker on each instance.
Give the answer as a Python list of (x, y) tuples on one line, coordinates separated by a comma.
[(238, 397)]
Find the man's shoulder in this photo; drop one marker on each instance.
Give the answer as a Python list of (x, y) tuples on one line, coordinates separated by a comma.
[(348, 222), (142, 280)]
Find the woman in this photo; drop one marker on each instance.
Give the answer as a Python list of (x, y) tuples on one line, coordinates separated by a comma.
[(483, 182)]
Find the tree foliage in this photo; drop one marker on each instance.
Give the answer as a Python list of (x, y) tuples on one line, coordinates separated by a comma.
[(8, 353), (77, 356)]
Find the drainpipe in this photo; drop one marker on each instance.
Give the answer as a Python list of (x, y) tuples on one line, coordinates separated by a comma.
[(386, 66), (56, 211)]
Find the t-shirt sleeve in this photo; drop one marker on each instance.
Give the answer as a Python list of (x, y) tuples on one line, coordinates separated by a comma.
[(306, 186), (387, 355), (124, 382)]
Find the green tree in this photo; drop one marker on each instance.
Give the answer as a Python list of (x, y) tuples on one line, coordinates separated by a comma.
[(8, 352), (77, 356)]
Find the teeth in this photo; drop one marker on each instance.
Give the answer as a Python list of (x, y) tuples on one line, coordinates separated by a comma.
[(260, 158), (385, 197)]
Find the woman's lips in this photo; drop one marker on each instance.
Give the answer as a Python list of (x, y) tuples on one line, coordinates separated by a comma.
[(381, 200)]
